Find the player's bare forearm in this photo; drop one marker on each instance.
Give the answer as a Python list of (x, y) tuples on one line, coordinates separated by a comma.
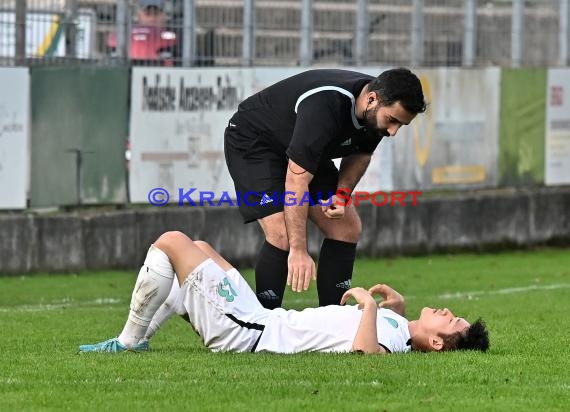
[(301, 267), (352, 168), (366, 338), (296, 224), (297, 182)]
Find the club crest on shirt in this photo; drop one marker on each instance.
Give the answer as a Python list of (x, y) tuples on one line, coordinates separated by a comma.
[(392, 322)]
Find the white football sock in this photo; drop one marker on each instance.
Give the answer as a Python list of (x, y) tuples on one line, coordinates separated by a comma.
[(151, 289), (166, 310)]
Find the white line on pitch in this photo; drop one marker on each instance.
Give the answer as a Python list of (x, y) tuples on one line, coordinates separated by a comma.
[(506, 291), (60, 304), (459, 295)]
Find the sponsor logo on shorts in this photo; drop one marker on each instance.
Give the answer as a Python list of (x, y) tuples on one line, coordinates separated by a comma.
[(268, 295), (265, 199), (226, 291), (344, 285)]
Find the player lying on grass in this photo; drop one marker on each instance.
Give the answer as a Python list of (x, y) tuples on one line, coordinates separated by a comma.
[(225, 312)]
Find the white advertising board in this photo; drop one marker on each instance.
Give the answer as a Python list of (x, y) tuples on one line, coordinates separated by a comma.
[(178, 118), (557, 150), (14, 137), (456, 142)]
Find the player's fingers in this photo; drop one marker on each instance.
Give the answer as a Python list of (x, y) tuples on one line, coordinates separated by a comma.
[(338, 209), (314, 271), (325, 205), (377, 290), (303, 281), (293, 282), (346, 295), (337, 213), (300, 278), (307, 280), (329, 213)]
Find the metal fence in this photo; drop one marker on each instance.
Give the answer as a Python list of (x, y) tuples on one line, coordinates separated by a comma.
[(511, 33)]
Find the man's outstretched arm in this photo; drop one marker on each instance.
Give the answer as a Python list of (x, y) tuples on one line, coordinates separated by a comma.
[(301, 267)]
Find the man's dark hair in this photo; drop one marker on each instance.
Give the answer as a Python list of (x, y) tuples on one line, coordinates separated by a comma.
[(399, 85), (476, 337)]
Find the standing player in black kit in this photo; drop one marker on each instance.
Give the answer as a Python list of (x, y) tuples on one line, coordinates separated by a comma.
[(282, 139)]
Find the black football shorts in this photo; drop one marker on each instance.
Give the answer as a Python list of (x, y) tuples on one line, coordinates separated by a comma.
[(258, 170)]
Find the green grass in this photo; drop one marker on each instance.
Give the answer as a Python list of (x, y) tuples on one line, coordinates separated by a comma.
[(523, 296)]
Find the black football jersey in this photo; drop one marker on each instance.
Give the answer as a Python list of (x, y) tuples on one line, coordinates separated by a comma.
[(310, 117)]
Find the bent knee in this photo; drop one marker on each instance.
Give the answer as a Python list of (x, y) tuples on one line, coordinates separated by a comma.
[(356, 228), (171, 238), (347, 230), (276, 234), (202, 245), (278, 240), (351, 234)]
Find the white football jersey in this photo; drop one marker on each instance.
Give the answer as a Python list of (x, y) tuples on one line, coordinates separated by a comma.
[(329, 329), (324, 329)]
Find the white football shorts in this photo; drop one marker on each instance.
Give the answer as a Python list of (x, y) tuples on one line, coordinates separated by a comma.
[(223, 309)]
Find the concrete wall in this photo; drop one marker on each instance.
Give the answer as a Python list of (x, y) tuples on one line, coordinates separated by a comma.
[(478, 221)]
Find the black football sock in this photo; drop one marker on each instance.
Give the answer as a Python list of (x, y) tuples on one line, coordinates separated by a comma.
[(334, 273), (271, 275)]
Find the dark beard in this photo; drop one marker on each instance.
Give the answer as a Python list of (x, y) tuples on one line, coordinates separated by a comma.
[(370, 124)]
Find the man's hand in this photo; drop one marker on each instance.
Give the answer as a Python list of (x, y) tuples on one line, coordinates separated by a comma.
[(333, 209), (301, 270), (361, 295), (390, 298)]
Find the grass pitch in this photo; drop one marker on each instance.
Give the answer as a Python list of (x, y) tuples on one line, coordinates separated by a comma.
[(523, 296)]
